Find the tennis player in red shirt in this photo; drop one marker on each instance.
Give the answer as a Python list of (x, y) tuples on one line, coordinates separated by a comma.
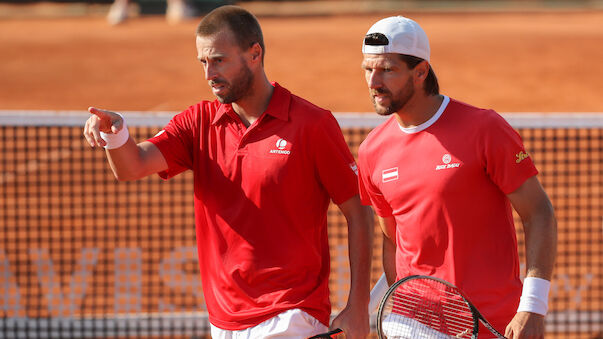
[(443, 177), (266, 164)]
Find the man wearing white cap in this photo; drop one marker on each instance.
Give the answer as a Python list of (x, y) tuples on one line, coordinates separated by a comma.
[(443, 177)]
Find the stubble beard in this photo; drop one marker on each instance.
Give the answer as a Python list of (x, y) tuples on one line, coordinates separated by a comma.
[(239, 87), (397, 102)]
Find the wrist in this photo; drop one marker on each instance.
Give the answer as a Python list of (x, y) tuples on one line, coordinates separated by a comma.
[(116, 140), (534, 296)]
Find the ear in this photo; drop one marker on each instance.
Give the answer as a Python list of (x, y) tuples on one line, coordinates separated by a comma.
[(421, 71), (255, 53)]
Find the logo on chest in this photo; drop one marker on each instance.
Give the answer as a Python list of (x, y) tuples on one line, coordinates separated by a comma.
[(280, 147), (447, 163), (390, 174)]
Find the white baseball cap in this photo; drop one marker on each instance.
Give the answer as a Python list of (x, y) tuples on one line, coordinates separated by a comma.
[(397, 35)]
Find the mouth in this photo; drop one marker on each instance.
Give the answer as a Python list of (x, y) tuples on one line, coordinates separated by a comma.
[(379, 97), (217, 87)]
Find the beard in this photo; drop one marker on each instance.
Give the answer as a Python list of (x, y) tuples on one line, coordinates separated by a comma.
[(237, 88), (397, 101)]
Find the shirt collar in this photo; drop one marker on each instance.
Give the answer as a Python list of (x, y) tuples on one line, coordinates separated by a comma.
[(278, 106)]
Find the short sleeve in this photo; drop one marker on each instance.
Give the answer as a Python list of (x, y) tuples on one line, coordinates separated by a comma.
[(507, 162), (335, 165), (176, 142)]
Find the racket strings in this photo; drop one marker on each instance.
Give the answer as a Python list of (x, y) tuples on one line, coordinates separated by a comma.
[(444, 317), (427, 309)]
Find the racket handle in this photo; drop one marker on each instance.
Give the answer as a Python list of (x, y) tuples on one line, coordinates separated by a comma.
[(331, 334), (377, 294)]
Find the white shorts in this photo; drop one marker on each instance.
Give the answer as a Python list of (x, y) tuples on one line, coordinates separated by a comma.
[(291, 324), (396, 326)]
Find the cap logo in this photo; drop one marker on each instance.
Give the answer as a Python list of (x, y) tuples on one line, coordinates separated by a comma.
[(376, 39)]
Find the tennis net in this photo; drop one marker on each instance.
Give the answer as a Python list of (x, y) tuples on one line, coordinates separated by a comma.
[(84, 256)]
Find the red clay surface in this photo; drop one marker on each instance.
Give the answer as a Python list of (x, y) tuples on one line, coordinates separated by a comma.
[(511, 62)]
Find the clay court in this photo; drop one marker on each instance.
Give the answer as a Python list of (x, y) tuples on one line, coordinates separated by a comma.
[(515, 60), (530, 61)]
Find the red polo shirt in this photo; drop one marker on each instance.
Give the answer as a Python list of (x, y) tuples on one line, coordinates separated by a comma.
[(261, 199)]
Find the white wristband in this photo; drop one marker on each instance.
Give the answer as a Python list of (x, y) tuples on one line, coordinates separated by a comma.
[(116, 140), (535, 296)]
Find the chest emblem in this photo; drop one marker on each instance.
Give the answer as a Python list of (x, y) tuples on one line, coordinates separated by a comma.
[(447, 163), (280, 147), (390, 174)]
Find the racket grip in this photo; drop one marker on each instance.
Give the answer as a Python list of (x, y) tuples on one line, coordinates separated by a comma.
[(377, 293), (331, 334)]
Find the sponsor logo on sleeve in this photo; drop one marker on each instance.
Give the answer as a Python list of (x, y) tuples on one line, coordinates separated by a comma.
[(521, 156)]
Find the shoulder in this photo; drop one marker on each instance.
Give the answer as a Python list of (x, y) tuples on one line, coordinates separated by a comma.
[(297, 106), (377, 136), (310, 117), (202, 111), (205, 107), (297, 110), (459, 110), (303, 108)]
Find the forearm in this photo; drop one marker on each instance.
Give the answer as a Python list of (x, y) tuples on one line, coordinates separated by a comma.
[(132, 161), (360, 243), (354, 319), (388, 228), (541, 235), (122, 160), (539, 225), (541, 246), (540, 229), (389, 259)]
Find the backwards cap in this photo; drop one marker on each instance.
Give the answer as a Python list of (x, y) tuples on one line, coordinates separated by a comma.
[(397, 34)]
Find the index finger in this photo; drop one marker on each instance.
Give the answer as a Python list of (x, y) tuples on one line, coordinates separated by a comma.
[(101, 113), (109, 121)]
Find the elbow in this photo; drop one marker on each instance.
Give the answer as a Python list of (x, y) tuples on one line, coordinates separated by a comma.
[(122, 177), (123, 171), (550, 217), (126, 175)]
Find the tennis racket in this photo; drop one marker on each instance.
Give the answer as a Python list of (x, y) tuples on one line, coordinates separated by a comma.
[(377, 294), (420, 307)]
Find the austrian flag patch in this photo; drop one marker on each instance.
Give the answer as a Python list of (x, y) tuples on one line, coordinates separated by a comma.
[(389, 174)]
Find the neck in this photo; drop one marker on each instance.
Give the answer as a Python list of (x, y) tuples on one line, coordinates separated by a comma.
[(252, 106), (418, 110)]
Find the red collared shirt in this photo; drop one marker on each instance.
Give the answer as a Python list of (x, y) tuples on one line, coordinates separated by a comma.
[(261, 199)]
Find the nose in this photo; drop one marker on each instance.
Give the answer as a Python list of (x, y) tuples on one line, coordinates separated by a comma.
[(210, 72), (373, 79)]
